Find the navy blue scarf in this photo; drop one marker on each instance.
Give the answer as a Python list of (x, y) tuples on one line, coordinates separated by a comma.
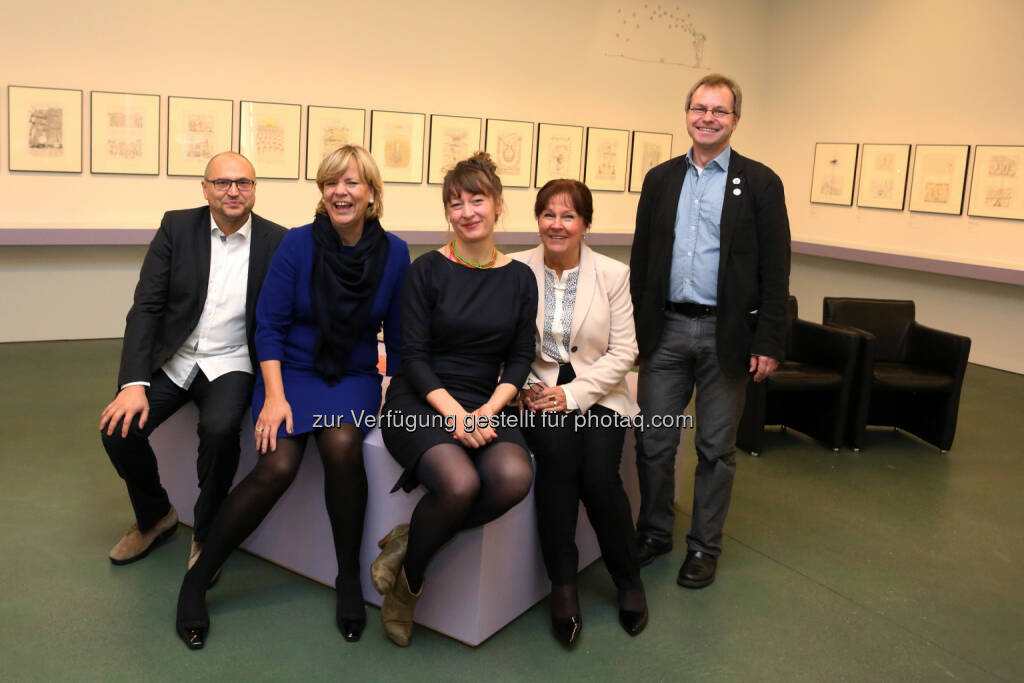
[(342, 288)]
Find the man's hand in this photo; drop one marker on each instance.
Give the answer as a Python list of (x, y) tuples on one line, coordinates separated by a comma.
[(128, 403), (762, 366)]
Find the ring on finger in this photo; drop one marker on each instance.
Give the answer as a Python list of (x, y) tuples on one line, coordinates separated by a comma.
[(259, 429)]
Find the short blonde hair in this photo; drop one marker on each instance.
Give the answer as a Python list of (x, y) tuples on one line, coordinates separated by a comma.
[(334, 166)]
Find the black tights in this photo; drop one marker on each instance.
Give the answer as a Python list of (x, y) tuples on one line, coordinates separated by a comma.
[(248, 504), (462, 493)]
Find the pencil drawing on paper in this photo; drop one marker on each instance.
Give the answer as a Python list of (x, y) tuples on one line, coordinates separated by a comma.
[(454, 146), (832, 182), (124, 133), (398, 146), (195, 140), (608, 161), (937, 193), (333, 134), (46, 131), (270, 136), (650, 157), (999, 196), (1002, 165), (510, 153), (883, 188), (559, 152), (663, 33)]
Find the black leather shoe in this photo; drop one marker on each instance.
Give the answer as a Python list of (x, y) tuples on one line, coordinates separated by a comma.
[(647, 549), (633, 622), (567, 631), (350, 614), (698, 570), (194, 636)]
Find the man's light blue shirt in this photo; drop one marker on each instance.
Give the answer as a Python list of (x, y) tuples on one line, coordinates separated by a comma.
[(694, 273)]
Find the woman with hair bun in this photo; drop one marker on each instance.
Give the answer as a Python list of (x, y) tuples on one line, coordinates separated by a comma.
[(468, 325)]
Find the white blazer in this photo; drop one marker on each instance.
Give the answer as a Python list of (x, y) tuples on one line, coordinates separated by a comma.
[(602, 342)]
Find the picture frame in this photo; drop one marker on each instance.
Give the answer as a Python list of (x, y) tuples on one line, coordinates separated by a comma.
[(510, 144), (883, 176), (648, 150), (832, 174), (44, 129), (559, 152), (606, 163), (396, 143), (452, 139), (197, 129), (125, 133), (997, 183), (939, 179), (268, 135), (328, 128)]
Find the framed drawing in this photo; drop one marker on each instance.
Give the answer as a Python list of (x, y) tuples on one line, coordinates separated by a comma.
[(997, 184), (559, 152), (44, 129), (125, 133), (939, 175), (197, 128), (452, 139), (832, 173), (883, 176), (327, 129), (649, 150), (396, 143), (510, 144), (607, 159), (268, 135)]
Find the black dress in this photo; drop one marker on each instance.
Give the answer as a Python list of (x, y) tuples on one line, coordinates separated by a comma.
[(465, 330)]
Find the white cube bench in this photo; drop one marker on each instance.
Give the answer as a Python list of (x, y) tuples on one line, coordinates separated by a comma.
[(478, 583)]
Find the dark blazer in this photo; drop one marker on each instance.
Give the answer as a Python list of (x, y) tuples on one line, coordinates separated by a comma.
[(172, 289), (753, 264)]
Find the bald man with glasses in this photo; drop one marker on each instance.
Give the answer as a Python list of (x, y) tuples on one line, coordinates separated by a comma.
[(189, 337)]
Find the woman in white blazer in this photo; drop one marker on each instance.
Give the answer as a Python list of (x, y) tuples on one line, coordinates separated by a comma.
[(582, 407)]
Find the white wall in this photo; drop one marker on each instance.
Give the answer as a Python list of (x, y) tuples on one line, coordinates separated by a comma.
[(870, 71), (529, 60)]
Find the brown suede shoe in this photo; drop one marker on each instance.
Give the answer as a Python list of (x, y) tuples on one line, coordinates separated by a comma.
[(193, 556), (397, 610), (385, 568), (135, 545)]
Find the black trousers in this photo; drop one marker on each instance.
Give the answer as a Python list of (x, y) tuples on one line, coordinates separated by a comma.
[(574, 465), (221, 404)]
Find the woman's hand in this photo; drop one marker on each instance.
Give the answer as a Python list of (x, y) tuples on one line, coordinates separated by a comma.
[(531, 395), (470, 438), (551, 399), (275, 411)]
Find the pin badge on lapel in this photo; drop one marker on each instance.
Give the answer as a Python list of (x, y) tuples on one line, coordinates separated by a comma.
[(735, 181), (737, 192)]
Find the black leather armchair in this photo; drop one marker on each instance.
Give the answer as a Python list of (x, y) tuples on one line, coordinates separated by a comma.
[(910, 375), (810, 390)]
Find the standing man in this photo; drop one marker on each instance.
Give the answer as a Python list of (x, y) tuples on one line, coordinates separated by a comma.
[(189, 337), (710, 278)]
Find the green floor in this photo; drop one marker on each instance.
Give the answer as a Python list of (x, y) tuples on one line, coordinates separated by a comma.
[(896, 563)]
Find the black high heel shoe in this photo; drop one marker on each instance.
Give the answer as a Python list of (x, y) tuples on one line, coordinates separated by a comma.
[(192, 621), (350, 601), (567, 629)]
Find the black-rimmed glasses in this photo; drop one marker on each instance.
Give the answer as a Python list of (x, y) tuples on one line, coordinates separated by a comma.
[(223, 184)]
